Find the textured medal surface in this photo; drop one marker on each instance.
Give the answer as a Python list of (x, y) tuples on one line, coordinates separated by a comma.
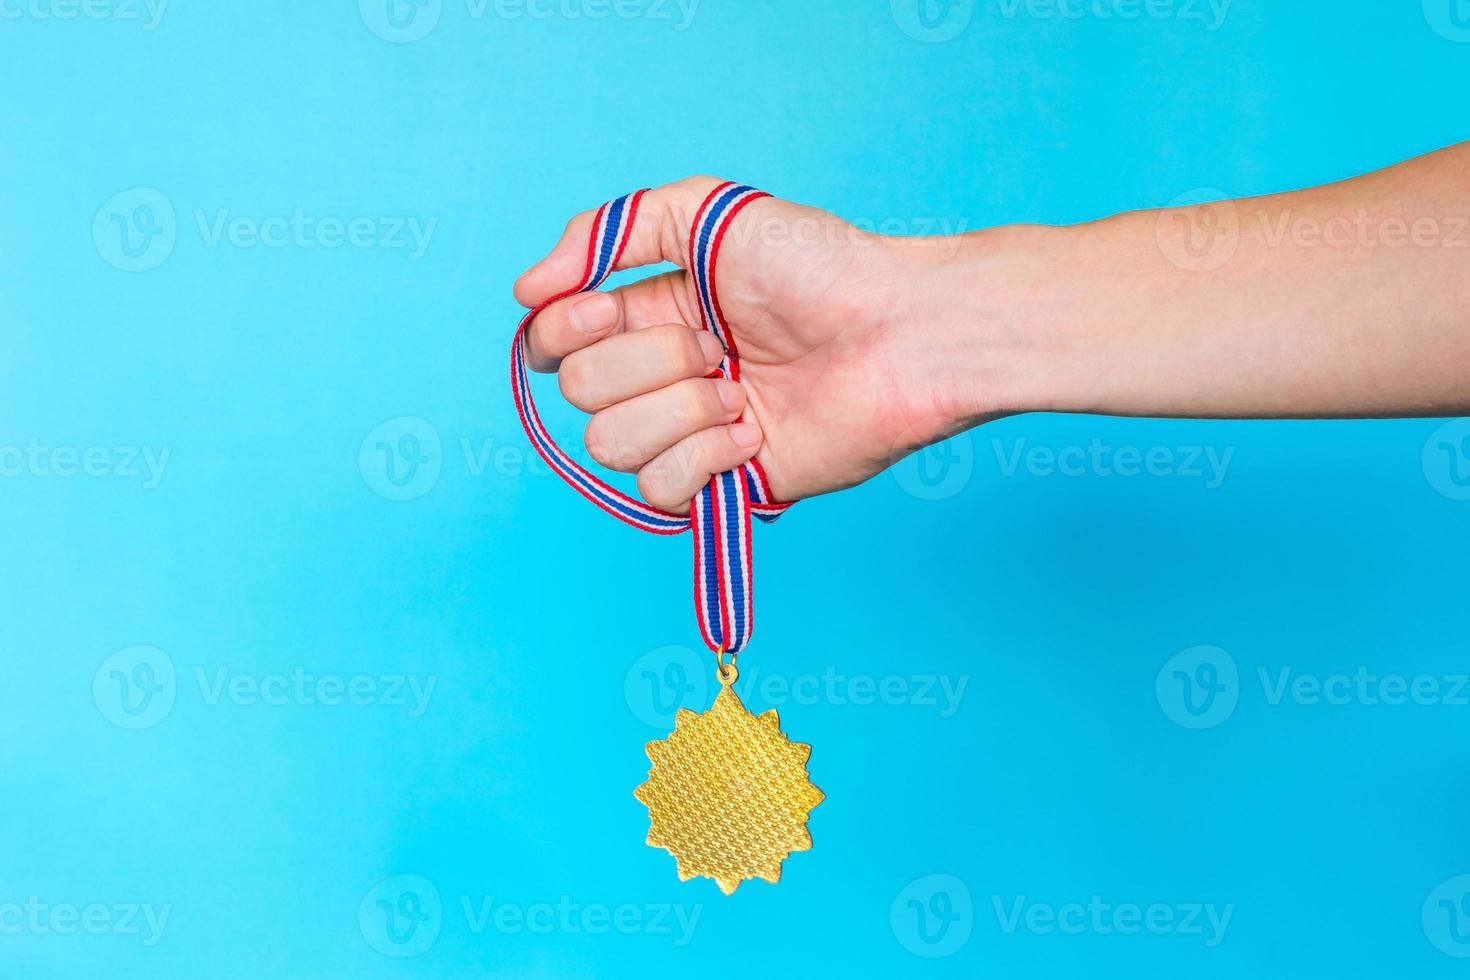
[(728, 793)]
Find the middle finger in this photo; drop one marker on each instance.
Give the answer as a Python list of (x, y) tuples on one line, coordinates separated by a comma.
[(631, 433)]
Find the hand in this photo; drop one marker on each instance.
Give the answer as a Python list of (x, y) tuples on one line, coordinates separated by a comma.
[(838, 363)]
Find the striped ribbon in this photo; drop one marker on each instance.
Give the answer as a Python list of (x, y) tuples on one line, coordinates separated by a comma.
[(720, 514)]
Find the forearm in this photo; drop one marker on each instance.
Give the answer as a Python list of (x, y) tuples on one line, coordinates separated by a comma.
[(1351, 299)]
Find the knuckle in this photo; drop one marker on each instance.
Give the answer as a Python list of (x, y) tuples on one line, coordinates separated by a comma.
[(575, 380), (605, 445), (696, 402), (599, 440), (706, 450), (684, 200), (685, 467), (538, 358), (683, 351), (615, 449), (654, 487)]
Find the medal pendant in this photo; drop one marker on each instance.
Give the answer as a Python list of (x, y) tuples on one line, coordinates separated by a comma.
[(728, 793)]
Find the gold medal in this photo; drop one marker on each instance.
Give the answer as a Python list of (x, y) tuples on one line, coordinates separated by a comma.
[(728, 793)]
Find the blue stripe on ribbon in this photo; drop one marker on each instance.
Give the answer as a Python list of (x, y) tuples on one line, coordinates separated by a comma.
[(702, 240), (609, 244), (705, 514)]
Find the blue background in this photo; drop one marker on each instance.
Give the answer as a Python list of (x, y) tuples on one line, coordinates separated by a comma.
[(268, 544)]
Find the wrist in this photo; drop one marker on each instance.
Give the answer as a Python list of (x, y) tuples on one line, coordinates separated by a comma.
[(983, 315)]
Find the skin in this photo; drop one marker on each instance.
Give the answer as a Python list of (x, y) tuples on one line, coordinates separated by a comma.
[(1346, 300)]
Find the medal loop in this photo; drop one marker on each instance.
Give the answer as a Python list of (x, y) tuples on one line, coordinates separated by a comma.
[(725, 669)]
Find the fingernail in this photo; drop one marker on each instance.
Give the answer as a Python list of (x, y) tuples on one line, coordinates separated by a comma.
[(713, 352), (594, 313), (731, 395), (745, 435)]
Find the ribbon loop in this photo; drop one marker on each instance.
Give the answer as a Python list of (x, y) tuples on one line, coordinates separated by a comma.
[(720, 514)]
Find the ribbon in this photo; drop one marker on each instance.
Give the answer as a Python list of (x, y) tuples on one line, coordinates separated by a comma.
[(720, 515)]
